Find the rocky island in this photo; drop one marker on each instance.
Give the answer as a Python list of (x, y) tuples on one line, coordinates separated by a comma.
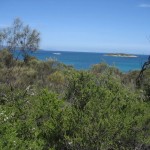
[(120, 55)]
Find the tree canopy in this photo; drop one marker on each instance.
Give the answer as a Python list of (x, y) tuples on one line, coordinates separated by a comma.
[(21, 37)]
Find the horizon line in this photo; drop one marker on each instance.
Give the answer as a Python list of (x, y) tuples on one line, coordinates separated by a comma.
[(91, 51)]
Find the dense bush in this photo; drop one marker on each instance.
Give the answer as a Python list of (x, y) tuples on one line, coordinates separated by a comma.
[(46, 105)]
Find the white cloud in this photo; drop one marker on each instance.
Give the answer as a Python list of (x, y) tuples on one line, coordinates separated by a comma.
[(144, 5)]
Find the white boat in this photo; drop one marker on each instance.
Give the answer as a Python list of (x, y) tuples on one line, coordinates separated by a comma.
[(57, 53)]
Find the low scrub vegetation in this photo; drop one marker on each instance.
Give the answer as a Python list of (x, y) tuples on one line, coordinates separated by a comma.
[(47, 105)]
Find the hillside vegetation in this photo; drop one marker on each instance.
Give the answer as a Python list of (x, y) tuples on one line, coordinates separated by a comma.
[(46, 105)]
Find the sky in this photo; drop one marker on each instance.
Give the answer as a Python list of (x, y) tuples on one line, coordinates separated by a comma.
[(84, 25)]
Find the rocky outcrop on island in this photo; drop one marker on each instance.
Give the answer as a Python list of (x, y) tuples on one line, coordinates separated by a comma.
[(120, 55)]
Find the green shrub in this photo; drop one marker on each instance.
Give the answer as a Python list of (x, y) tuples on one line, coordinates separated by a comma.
[(6, 58)]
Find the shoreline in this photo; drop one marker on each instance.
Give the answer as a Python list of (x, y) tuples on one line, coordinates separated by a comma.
[(121, 55)]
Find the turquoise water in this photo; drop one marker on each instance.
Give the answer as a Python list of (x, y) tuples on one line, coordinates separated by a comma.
[(85, 60)]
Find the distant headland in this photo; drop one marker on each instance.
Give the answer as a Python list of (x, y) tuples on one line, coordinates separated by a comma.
[(120, 55)]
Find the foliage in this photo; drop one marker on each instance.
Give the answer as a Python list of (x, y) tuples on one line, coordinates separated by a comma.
[(6, 58), (47, 105), (103, 67), (20, 36), (111, 117)]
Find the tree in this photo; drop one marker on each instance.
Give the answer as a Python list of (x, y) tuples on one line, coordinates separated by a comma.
[(145, 66), (19, 36)]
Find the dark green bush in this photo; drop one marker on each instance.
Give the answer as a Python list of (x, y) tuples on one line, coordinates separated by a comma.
[(96, 109)]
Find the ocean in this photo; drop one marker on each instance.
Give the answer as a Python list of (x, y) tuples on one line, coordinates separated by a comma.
[(85, 60)]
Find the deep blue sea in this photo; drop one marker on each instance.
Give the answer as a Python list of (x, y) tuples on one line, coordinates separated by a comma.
[(85, 60)]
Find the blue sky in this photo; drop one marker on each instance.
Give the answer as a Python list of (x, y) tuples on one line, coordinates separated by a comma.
[(84, 25)]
